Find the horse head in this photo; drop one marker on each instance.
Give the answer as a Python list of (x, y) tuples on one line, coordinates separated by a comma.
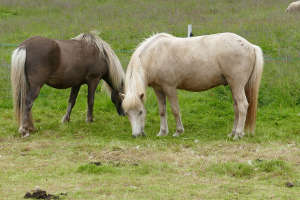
[(135, 110)]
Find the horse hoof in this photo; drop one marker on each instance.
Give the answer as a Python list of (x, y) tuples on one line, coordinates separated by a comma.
[(238, 136), (89, 120), (176, 134), (65, 119), (230, 135), (139, 135), (162, 133), (22, 130), (241, 134), (25, 135)]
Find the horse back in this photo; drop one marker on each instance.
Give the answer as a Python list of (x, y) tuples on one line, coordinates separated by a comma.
[(198, 63), (77, 53), (61, 63), (79, 62)]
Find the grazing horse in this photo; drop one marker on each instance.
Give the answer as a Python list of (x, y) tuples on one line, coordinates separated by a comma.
[(85, 59), (167, 63)]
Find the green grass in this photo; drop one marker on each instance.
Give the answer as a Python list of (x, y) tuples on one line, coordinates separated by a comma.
[(201, 164), (249, 169), (93, 169)]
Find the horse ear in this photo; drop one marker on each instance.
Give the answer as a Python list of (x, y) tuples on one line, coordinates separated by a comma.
[(122, 95), (142, 96)]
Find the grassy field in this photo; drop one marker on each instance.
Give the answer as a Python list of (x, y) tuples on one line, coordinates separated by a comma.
[(201, 164)]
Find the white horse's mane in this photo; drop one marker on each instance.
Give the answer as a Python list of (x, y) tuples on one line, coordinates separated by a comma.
[(147, 41), (135, 79)]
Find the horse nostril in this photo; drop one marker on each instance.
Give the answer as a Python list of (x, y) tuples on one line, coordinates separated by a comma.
[(122, 114), (133, 136)]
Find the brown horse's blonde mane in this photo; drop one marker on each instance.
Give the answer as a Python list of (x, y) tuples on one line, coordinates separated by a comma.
[(116, 72)]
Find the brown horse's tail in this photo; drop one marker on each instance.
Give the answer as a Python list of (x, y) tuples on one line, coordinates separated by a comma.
[(18, 81), (252, 89)]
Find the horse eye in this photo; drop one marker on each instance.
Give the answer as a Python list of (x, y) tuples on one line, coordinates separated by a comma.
[(141, 112)]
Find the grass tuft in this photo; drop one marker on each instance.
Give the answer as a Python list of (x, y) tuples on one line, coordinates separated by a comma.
[(94, 169), (275, 166), (237, 169), (232, 169)]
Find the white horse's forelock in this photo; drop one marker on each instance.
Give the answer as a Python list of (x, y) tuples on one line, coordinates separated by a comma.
[(135, 80), (115, 68)]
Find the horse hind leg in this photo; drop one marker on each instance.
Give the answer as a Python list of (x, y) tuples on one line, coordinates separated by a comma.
[(72, 101), (236, 115), (241, 102), (161, 98), (92, 86), (27, 122)]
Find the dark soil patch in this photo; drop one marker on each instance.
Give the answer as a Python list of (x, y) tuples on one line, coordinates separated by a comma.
[(40, 194), (96, 163), (289, 184)]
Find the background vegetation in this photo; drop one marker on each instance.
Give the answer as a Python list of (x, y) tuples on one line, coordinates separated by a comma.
[(201, 164)]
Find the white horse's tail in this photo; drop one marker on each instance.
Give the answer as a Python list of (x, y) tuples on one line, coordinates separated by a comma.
[(19, 82), (252, 89)]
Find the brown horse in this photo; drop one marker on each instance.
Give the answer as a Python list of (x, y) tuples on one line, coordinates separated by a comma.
[(85, 59)]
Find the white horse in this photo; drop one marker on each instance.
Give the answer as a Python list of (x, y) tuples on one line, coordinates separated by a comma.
[(167, 63), (293, 7)]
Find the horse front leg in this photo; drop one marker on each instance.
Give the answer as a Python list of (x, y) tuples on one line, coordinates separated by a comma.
[(72, 101), (161, 98), (172, 96), (92, 85), (27, 122)]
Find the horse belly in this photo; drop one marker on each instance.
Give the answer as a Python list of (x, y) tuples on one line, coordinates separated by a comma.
[(64, 80), (62, 84), (201, 83)]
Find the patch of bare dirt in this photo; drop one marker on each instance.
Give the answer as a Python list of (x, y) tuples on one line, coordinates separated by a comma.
[(41, 194)]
